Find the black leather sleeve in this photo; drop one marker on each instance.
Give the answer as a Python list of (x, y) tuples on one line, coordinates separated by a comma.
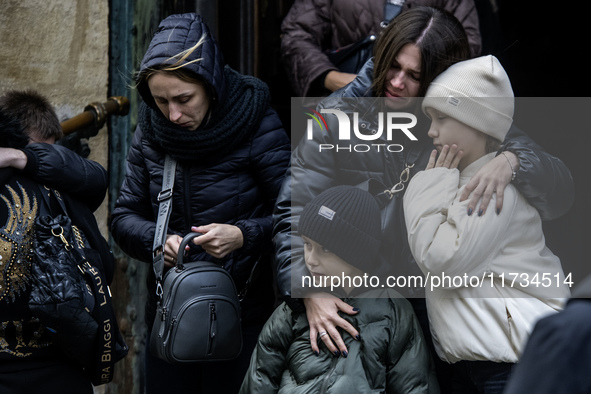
[(544, 180)]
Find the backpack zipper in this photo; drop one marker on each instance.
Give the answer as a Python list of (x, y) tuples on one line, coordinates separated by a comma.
[(212, 327)]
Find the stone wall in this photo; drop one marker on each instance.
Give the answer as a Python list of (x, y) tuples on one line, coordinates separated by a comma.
[(59, 48)]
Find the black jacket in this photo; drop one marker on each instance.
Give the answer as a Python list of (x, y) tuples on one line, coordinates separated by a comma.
[(238, 187), (311, 173), (82, 184), (557, 355)]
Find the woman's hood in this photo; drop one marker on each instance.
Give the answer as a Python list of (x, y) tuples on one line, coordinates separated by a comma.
[(176, 34)]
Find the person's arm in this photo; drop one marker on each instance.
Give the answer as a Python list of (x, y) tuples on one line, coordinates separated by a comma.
[(409, 365), (443, 238), (63, 169), (132, 221), (303, 31), (11, 157), (335, 80), (465, 11), (544, 180), (269, 358)]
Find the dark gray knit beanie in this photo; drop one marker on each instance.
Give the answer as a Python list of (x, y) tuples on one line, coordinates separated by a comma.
[(346, 221)]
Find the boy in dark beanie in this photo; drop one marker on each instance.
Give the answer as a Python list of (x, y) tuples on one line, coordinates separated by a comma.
[(344, 220), (341, 230)]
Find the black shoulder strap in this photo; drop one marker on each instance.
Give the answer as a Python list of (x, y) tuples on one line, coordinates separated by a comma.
[(105, 360), (45, 206), (165, 203)]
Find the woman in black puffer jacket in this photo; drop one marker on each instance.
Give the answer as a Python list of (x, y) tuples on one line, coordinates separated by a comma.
[(232, 154)]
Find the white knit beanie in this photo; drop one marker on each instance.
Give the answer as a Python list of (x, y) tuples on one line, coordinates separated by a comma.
[(476, 92)]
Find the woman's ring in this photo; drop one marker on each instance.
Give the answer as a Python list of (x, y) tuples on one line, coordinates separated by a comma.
[(321, 334)]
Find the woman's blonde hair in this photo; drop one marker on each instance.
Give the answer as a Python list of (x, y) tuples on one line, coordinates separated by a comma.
[(182, 57), (175, 66)]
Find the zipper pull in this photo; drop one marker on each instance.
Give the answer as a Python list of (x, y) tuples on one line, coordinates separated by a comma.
[(212, 318)]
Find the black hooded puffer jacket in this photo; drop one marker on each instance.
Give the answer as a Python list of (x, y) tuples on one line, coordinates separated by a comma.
[(238, 187)]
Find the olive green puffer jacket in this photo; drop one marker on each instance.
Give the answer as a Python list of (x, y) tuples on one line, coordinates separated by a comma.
[(390, 357)]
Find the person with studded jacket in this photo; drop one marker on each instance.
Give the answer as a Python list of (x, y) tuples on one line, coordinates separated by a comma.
[(30, 361), (396, 74), (232, 154)]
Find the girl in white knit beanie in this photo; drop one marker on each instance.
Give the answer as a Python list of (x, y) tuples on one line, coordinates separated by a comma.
[(490, 277)]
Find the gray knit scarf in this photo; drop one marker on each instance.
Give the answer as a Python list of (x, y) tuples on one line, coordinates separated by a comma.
[(231, 122)]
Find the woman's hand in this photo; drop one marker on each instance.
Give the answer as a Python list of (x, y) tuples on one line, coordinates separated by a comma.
[(171, 249), (448, 158), (493, 177), (335, 80), (218, 239), (322, 315)]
